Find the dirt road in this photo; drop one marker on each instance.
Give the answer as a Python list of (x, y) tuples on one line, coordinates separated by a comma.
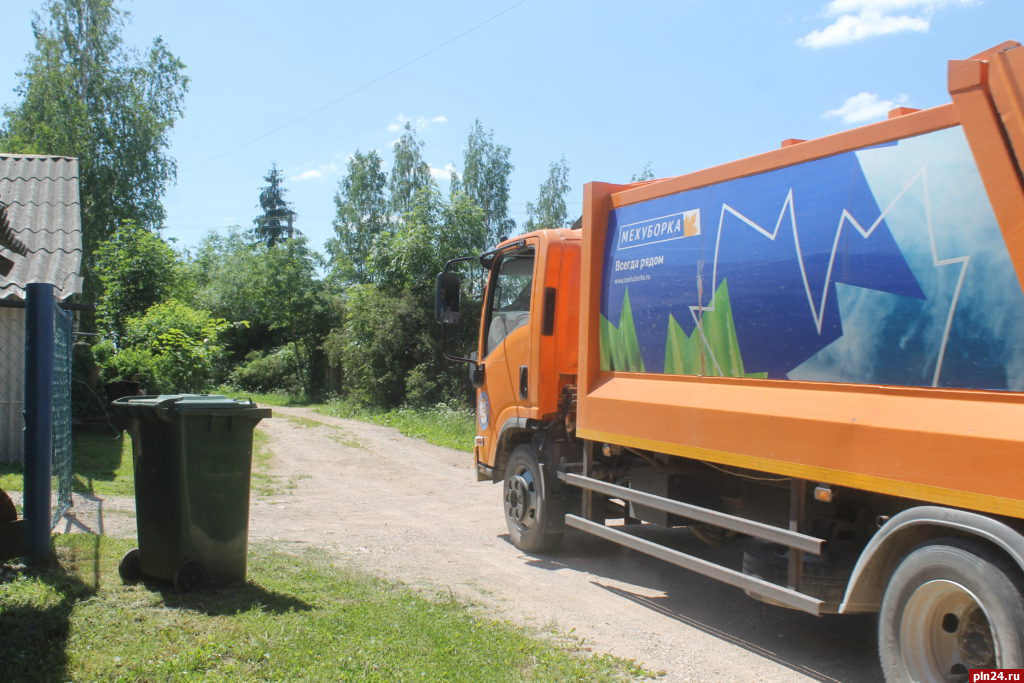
[(410, 511)]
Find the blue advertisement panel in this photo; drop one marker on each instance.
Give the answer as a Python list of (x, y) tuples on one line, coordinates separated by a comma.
[(883, 265)]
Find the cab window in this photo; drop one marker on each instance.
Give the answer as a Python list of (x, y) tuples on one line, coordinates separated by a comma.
[(510, 297)]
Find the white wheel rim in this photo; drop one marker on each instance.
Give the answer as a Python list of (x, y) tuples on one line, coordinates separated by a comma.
[(944, 632)]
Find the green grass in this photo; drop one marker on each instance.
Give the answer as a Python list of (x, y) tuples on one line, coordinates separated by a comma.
[(346, 439), (336, 434), (440, 425), (11, 477), (261, 482), (296, 618), (305, 421), (102, 465)]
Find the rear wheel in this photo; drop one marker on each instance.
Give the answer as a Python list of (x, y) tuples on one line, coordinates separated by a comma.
[(130, 568), (951, 605), (190, 576), (535, 521)]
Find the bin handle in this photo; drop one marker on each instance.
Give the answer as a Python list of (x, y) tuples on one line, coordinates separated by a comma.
[(163, 408)]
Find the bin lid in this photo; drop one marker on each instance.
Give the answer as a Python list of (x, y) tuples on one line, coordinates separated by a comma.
[(202, 402), (187, 403)]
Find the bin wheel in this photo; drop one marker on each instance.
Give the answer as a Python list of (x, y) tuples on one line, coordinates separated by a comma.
[(190, 576), (130, 568)]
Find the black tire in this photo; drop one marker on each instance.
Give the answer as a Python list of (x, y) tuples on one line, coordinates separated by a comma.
[(130, 567), (711, 535), (950, 606), (770, 561), (535, 523), (190, 576), (8, 513)]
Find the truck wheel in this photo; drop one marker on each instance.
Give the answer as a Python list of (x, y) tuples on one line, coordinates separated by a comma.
[(950, 606), (535, 524), (770, 561)]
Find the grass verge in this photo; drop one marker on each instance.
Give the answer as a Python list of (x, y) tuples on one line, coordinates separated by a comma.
[(440, 425), (271, 399), (296, 618)]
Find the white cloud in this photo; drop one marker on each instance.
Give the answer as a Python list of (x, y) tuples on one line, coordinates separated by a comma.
[(442, 173), (317, 173), (860, 19), (865, 106), (398, 124), (308, 175), (421, 122)]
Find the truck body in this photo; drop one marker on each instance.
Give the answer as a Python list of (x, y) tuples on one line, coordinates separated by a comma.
[(815, 354)]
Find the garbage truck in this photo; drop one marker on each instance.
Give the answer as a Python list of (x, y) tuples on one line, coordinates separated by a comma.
[(812, 357)]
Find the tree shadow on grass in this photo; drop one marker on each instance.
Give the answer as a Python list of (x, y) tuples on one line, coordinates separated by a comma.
[(34, 631)]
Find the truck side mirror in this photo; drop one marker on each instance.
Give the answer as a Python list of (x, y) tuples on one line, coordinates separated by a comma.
[(476, 375), (446, 298), (476, 372)]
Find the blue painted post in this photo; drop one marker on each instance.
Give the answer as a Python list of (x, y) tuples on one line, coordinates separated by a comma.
[(38, 415)]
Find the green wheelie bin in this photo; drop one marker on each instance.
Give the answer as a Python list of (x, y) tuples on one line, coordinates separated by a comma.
[(192, 456)]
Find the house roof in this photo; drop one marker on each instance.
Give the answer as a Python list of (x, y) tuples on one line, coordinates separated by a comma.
[(42, 240)]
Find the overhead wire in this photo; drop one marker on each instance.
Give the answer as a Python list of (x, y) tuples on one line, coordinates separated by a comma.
[(362, 87)]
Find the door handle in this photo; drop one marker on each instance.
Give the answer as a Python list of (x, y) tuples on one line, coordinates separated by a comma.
[(524, 382)]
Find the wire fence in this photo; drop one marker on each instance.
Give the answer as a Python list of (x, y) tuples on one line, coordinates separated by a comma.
[(36, 406), (63, 458), (12, 385)]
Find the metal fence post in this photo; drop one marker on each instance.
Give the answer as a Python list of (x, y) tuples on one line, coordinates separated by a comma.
[(38, 414)]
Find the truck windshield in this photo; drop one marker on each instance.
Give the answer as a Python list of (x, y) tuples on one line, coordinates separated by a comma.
[(510, 296)]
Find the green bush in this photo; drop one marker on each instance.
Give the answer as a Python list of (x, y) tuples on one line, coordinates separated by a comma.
[(173, 348), (265, 373), (133, 365), (87, 398), (378, 345), (438, 382)]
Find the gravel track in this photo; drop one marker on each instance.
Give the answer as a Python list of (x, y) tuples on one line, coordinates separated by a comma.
[(406, 510)]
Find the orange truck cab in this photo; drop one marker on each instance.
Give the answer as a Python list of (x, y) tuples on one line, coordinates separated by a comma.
[(813, 357)]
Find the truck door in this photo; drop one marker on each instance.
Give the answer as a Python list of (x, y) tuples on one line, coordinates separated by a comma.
[(507, 344)]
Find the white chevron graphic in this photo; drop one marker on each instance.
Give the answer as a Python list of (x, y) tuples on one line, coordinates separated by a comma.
[(845, 219)]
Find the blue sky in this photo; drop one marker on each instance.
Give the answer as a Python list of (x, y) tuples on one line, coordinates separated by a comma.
[(681, 85)]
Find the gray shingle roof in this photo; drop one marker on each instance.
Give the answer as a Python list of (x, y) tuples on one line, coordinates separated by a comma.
[(40, 194)]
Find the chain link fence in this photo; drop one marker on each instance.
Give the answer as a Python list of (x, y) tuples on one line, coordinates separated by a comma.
[(63, 459), (12, 386), (13, 359)]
